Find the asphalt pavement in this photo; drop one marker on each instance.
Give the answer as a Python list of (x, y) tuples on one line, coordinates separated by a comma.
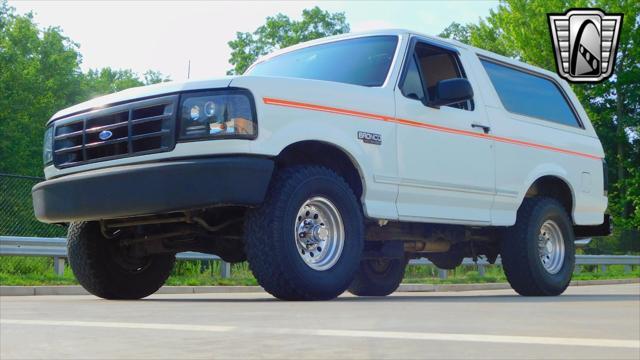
[(590, 322)]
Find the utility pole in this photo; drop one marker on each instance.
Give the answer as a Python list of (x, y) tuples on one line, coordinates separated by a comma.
[(189, 69)]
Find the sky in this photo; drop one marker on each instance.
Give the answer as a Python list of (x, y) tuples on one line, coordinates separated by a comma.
[(166, 35)]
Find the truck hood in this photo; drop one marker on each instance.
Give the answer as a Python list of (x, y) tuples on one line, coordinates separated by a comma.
[(143, 92)]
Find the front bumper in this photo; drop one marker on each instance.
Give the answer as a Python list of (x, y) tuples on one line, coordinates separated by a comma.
[(153, 188)]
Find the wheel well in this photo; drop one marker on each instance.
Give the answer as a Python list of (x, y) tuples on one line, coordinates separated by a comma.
[(320, 153), (555, 188)]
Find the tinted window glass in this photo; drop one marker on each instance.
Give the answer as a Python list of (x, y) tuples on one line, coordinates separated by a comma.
[(439, 64), (530, 95), (412, 85), (362, 61)]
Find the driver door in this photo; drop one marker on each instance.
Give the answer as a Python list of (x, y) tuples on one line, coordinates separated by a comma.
[(445, 161)]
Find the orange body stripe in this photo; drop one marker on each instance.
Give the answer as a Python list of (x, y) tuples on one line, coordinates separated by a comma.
[(334, 110)]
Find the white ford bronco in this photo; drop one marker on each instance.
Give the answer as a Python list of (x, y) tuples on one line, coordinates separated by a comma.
[(327, 166)]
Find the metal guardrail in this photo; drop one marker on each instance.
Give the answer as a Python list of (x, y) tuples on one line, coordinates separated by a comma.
[(57, 248), (580, 260), (602, 260), (35, 246)]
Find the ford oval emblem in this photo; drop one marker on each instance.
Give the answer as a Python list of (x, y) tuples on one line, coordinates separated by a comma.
[(105, 135)]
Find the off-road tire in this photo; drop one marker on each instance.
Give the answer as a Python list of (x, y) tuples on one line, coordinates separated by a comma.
[(270, 242), (93, 262), (375, 280), (519, 249)]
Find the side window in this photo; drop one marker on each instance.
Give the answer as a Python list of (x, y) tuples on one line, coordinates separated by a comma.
[(530, 95), (412, 85), (430, 64)]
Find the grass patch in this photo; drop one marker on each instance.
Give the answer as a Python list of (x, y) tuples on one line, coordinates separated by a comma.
[(426, 274), (613, 272), (18, 270), (200, 273)]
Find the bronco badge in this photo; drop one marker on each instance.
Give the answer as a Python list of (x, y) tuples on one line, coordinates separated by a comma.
[(370, 138)]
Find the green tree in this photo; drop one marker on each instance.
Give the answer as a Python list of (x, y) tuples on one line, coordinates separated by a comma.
[(458, 32), (518, 28), (154, 77), (107, 80), (39, 74), (280, 31)]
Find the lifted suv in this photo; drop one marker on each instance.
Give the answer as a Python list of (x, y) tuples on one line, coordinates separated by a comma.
[(327, 166)]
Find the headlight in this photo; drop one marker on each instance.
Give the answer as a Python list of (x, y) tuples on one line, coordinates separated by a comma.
[(47, 150), (217, 114)]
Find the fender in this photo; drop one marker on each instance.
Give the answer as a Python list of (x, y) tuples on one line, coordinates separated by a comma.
[(360, 153), (548, 169), (281, 126)]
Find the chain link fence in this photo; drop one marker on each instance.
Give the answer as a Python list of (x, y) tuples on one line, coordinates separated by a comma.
[(16, 209)]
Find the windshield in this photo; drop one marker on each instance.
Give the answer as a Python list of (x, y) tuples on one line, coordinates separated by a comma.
[(361, 61)]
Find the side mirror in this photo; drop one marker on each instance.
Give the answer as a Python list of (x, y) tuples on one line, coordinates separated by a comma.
[(451, 91)]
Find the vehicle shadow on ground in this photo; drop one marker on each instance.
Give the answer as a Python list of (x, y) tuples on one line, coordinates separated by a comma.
[(229, 298)]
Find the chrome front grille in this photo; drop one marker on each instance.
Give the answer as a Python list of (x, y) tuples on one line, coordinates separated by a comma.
[(135, 128)]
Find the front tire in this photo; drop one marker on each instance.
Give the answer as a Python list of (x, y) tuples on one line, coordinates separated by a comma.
[(378, 277), (305, 241), (106, 271), (538, 252)]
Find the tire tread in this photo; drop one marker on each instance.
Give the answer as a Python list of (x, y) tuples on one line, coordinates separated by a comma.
[(94, 269), (518, 264), (262, 224)]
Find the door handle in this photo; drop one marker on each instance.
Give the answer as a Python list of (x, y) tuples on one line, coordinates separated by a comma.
[(484, 128)]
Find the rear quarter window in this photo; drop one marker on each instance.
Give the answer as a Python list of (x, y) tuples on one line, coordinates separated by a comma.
[(530, 95)]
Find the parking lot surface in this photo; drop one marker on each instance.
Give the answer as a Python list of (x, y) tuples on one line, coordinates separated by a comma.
[(590, 322)]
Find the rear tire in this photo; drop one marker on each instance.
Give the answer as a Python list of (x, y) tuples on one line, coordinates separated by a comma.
[(538, 252), (378, 277), (284, 236), (107, 272)]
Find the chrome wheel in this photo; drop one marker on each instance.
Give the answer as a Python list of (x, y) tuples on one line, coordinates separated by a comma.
[(551, 247), (319, 233)]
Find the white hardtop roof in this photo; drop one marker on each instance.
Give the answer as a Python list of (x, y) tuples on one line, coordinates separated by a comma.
[(405, 32)]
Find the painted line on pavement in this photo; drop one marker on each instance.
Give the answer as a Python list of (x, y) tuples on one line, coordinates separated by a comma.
[(397, 335), (121, 325)]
